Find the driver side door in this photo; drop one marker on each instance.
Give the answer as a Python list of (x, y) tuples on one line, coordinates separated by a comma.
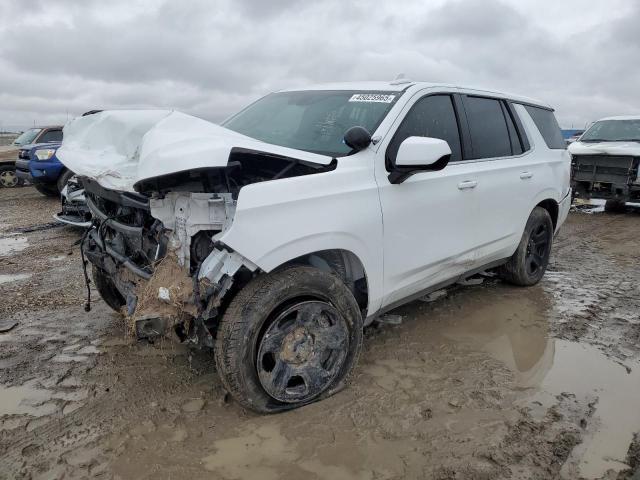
[(430, 218)]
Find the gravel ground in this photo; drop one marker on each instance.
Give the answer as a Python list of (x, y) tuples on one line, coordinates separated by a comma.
[(485, 381)]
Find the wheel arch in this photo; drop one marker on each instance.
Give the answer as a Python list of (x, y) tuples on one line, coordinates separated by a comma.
[(343, 263), (551, 206)]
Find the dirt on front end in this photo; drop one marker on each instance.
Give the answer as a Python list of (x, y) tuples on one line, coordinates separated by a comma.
[(480, 381)]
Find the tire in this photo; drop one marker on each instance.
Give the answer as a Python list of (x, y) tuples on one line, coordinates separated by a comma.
[(527, 265), (47, 189), (63, 179), (289, 338), (615, 206), (8, 177), (107, 289)]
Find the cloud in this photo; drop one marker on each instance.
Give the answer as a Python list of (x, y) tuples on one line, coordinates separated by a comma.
[(61, 57)]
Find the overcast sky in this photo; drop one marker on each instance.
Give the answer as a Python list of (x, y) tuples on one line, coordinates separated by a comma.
[(209, 58)]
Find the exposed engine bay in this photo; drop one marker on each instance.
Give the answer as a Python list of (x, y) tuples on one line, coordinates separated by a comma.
[(158, 248)]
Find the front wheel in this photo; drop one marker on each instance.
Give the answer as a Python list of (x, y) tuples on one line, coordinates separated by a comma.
[(287, 339), (46, 189), (528, 264), (64, 179)]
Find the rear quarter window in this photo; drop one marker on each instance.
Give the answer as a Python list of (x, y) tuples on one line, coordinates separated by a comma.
[(548, 126)]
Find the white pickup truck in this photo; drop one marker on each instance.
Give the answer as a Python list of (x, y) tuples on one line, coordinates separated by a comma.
[(605, 161), (277, 236)]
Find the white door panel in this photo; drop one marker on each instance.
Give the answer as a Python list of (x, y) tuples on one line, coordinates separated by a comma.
[(429, 221)]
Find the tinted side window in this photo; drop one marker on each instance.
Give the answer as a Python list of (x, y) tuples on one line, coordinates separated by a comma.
[(548, 126), (50, 136), (487, 127), (433, 116)]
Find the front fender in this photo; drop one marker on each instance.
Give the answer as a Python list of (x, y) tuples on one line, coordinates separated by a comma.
[(280, 220)]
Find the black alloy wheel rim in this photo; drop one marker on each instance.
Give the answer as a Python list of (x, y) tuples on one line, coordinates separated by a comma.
[(302, 351), (538, 249)]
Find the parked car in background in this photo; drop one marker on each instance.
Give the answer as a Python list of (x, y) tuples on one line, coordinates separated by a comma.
[(39, 165), (571, 135), (74, 210), (264, 237), (605, 162), (9, 154)]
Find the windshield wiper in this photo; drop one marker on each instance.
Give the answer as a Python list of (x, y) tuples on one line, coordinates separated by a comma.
[(629, 140)]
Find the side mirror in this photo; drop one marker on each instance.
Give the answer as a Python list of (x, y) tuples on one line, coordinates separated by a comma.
[(419, 154), (357, 138)]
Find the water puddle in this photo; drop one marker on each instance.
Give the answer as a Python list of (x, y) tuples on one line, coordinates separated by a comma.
[(586, 372), (13, 244), (14, 278), (514, 330)]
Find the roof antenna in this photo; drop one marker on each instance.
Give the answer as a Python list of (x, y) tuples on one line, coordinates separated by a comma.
[(400, 80)]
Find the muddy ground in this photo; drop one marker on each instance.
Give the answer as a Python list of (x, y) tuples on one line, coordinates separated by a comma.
[(485, 381)]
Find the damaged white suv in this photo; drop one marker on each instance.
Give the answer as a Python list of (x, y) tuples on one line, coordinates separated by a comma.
[(276, 237)]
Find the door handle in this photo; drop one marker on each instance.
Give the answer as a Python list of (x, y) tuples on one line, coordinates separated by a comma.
[(467, 184), (526, 175)]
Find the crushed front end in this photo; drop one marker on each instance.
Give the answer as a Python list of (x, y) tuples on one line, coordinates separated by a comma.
[(611, 177), (156, 259), (162, 189)]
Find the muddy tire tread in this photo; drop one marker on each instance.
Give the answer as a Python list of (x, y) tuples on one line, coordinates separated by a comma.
[(514, 270), (237, 320)]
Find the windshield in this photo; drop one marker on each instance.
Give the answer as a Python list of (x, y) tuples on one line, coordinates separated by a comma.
[(613, 131), (27, 137), (314, 121)]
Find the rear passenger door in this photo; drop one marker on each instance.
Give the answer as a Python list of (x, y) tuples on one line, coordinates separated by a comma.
[(504, 171)]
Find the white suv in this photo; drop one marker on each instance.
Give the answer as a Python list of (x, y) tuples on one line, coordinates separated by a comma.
[(276, 237)]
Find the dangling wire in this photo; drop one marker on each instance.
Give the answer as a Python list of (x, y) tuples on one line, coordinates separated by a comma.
[(87, 305)]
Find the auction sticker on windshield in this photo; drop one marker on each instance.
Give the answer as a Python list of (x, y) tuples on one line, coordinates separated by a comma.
[(372, 97)]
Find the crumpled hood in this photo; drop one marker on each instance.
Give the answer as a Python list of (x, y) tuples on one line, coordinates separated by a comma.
[(118, 148), (605, 148)]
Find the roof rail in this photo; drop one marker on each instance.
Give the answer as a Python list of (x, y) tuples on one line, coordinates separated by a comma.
[(400, 80)]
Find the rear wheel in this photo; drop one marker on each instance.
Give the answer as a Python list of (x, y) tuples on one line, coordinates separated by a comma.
[(288, 338), (8, 178), (47, 189), (107, 289), (615, 206), (528, 264)]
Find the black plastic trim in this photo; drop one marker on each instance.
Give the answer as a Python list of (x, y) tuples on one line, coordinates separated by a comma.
[(126, 199), (524, 140), (112, 223), (400, 174)]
